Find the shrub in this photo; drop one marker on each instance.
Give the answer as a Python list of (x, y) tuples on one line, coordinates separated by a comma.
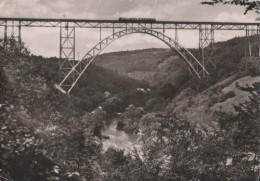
[(228, 95), (112, 105), (120, 125), (254, 68), (167, 91)]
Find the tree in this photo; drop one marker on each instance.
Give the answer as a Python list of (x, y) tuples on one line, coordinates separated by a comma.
[(171, 148), (249, 5), (241, 136), (15, 47), (94, 122)]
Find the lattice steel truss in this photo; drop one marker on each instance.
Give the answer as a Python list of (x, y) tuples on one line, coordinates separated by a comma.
[(250, 31), (2, 37), (12, 34), (206, 40), (195, 67), (84, 23), (12, 30), (67, 51)]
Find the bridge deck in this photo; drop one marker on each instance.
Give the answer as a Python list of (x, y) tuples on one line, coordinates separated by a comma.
[(88, 23)]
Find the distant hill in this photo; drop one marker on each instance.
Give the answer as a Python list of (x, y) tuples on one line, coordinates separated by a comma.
[(126, 62), (161, 66), (138, 64)]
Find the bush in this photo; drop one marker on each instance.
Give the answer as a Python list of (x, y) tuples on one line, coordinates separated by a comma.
[(120, 125), (254, 68), (167, 91), (228, 95), (154, 104), (112, 105), (135, 97), (2, 80)]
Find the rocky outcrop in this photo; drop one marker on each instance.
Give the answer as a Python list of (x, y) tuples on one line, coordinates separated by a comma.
[(200, 109)]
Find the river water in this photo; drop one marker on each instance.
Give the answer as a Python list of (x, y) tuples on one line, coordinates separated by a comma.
[(118, 139)]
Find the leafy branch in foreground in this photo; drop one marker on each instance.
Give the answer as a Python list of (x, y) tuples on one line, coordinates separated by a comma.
[(250, 5)]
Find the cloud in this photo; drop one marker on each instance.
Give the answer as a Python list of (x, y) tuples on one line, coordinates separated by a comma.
[(234, 17), (2, 3), (186, 10), (61, 5), (140, 11), (24, 8)]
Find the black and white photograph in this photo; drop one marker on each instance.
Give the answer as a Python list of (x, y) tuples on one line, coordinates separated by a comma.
[(129, 90)]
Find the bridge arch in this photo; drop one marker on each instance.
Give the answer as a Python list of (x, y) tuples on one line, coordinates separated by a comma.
[(72, 77)]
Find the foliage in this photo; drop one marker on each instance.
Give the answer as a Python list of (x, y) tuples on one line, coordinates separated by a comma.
[(167, 91), (135, 97), (117, 166), (155, 104), (126, 62), (112, 105), (2, 80), (249, 5), (240, 135), (248, 119), (20, 158), (129, 119), (253, 67), (15, 47), (177, 159), (174, 150), (94, 122)]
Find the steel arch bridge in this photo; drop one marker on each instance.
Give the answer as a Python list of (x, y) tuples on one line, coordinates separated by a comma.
[(74, 74), (12, 29)]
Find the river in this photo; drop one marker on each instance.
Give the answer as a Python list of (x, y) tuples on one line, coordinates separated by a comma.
[(120, 140)]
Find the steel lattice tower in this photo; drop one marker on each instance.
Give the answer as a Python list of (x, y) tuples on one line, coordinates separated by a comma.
[(67, 51)]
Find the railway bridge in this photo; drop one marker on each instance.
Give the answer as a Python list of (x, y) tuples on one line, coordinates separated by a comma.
[(71, 69)]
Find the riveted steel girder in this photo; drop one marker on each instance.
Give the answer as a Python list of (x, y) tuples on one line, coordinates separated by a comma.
[(85, 23), (194, 66), (11, 32), (250, 31), (67, 51), (206, 40)]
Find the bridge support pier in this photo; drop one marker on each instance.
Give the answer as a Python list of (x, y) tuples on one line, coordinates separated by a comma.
[(248, 50), (176, 35), (67, 51), (250, 31), (206, 40), (12, 35), (2, 37), (258, 39)]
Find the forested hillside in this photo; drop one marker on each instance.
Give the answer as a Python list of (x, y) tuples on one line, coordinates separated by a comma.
[(161, 66), (181, 128)]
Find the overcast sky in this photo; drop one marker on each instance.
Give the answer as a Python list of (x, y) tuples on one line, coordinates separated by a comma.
[(45, 41)]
